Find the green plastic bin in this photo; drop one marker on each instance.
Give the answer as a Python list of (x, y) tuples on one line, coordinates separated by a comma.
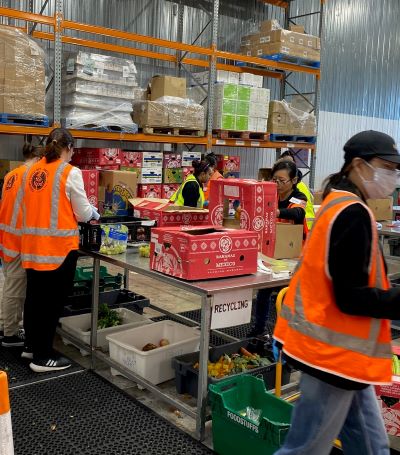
[(234, 434)]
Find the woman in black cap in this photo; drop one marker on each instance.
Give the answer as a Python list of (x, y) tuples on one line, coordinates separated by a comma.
[(191, 193), (334, 325)]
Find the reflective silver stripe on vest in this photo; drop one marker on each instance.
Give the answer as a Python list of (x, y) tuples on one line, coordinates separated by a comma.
[(42, 259), (298, 322), (10, 229), (8, 252), (52, 232), (18, 199)]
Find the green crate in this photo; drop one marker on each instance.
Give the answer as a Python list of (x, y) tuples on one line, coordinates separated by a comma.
[(84, 276), (234, 434)]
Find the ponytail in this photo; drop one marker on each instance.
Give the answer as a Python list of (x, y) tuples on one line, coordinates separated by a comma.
[(340, 181), (58, 140)]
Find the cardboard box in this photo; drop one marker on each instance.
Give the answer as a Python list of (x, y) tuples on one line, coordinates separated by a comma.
[(167, 86), (172, 160), (224, 121), (260, 95), (288, 38), (98, 156), (270, 25), (258, 205), (227, 163), (167, 215), (149, 191), (381, 208), (173, 175), (168, 190), (288, 241), (91, 184), (136, 170), (291, 50), (119, 187), (253, 80), (150, 113), (296, 28), (258, 110), (132, 159), (189, 156), (7, 166), (203, 253), (150, 175)]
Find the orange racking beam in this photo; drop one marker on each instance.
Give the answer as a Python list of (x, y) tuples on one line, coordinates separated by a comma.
[(114, 33), (24, 16), (21, 130), (281, 3)]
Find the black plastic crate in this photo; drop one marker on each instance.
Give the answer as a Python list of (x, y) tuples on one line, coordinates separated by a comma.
[(187, 377), (118, 298), (90, 232)]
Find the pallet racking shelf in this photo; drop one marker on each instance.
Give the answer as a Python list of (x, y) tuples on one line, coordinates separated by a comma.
[(180, 54)]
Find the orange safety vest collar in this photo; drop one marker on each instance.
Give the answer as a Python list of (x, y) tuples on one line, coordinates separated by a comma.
[(312, 328), (50, 230)]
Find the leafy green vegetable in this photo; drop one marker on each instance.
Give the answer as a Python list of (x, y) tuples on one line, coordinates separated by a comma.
[(108, 318)]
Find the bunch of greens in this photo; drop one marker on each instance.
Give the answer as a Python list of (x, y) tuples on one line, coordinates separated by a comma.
[(108, 318)]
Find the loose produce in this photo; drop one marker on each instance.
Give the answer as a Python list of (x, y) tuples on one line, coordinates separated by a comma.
[(164, 342), (144, 251), (151, 346), (235, 363), (108, 318), (114, 238)]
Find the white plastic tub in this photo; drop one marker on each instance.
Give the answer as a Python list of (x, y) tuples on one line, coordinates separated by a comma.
[(79, 326), (155, 365)]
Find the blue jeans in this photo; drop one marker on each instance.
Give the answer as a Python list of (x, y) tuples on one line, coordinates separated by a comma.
[(324, 413)]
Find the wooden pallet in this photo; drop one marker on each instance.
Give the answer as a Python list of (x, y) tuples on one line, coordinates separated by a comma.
[(170, 131), (275, 137), (24, 119), (245, 135)]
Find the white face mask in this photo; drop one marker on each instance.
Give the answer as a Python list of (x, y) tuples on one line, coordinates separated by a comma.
[(383, 184)]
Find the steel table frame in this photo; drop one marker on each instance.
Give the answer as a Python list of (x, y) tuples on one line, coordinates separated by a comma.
[(207, 289)]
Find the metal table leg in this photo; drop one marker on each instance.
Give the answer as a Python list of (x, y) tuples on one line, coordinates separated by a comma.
[(95, 310), (206, 303), (126, 278)]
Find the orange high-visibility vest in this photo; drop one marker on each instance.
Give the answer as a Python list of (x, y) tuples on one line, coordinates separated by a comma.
[(50, 229), (215, 176), (311, 326), (10, 213)]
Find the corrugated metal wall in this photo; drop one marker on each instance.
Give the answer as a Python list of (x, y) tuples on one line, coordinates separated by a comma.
[(360, 58)]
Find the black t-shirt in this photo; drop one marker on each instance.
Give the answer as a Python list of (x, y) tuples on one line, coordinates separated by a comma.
[(295, 214), (191, 193), (349, 256)]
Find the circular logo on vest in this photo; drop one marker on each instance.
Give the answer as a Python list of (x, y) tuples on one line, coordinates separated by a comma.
[(10, 182), (225, 244), (39, 180)]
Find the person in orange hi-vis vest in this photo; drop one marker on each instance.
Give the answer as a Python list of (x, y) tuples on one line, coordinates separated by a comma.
[(291, 209), (54, 201), (216, 175), (334, 325), (14, 287)]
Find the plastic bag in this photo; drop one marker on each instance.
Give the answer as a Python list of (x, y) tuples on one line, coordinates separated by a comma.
[(114, 238)]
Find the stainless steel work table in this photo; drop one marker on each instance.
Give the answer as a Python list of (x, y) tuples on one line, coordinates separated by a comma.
[(131, 262)]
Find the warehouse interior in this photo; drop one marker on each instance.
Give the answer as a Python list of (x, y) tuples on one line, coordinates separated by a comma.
[(344, 83)]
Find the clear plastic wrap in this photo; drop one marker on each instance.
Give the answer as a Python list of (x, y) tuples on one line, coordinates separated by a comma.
[(285, 119), (79, 86), (96, 102), (168, 112), (22, 74)]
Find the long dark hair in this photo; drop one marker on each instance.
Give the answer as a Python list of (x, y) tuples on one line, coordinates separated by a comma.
[(288, 166), (211, 159), (199, 167), (30, 151), (58, 140), (340, 180)]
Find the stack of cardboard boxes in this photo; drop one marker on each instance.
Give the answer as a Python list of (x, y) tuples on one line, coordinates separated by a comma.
[(22, 74), (98, 90), (272, 39), (285, 119), (168, 106), (240, 108)]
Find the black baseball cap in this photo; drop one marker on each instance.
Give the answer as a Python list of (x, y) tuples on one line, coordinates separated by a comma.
[(371, 144)]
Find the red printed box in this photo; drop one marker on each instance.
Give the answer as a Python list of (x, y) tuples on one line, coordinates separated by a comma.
[(132, 159), (149, 191), (389, 402), (91, 167), (168, 190), (172, 160), (205, 252), (257, 207), (91, 184), (227, 163), (98, 156), (166, 214)]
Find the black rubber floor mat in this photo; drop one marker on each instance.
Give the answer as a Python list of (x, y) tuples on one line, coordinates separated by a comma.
[(18, 370), (395, 333), (82, 414)]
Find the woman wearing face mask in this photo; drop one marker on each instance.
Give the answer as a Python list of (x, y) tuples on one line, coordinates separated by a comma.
[(335, 320), (54, 200)]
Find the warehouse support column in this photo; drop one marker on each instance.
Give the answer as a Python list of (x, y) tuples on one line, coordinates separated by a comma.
[(57, 62), (6, 437)]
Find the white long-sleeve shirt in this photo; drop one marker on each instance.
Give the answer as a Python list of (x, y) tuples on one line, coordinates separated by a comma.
[(76, 193)]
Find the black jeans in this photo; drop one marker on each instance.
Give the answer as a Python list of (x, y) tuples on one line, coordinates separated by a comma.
[(46, 295)]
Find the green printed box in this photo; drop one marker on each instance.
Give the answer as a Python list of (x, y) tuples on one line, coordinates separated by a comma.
[(242, 123), (242, 108), (173, 175), (243, 93), (224, 122), (229, 91)]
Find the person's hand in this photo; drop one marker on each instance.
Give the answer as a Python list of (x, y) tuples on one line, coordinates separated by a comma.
[(95, 213), (205, 204)]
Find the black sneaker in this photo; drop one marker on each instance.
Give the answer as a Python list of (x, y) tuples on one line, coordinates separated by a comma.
[(1, 334), (27, 353), (14, 340), (50, 364)]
